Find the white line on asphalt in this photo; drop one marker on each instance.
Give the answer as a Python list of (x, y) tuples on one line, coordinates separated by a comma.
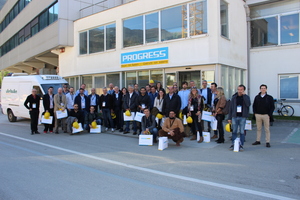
[(238, 189)]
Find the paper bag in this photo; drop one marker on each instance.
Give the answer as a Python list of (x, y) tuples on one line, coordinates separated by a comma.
[(162, 121), (145, 140), (138, 116), (46, 121), (206, 116), (77, 130), (206, 137), (163, 143), (214, 124), (61, 114), (236, 147), (96, 130), (198, 136), (128, 118), (184, 120), (248, 125)]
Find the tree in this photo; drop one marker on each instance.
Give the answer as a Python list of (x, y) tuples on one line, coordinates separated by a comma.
[(2, 74)]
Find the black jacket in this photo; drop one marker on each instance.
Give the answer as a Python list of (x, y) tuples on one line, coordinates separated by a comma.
[(78, 101), (171, 104), (117, 102), (131, 103), (263, 105), (79, 115), (46, 101), (209, 96), (97, 100), (108, 99), (144, 100), (31, 101)]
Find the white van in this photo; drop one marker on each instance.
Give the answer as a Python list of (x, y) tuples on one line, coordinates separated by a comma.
[(17, 87)]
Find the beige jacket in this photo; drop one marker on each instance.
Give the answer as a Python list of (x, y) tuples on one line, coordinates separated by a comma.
[(57, 104), (177, 124)]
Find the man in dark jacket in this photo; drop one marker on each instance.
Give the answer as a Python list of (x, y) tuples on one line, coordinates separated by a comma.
[(238, 113), (149, 124), (83, 102), (171, 102), (94, 99), (34, 110), (130, 103), (117, 108), (143, 100), (48, 103), (263, 108), (106, 106), (207, 95), (91, 117)]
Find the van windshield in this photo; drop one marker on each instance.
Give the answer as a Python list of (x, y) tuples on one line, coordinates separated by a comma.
[(55, 87)]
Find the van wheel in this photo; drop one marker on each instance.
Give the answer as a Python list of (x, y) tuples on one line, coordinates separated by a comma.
[(11, 117)]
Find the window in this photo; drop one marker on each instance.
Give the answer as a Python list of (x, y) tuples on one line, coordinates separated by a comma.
[(96, 40), (289, 28), (151, 22), (264, 32), (53, 13), (110, 36), (43, 20), (130, 78), (198, 18), (88, 81), (133, 31), (83, 43), (34, 26), (99, 84), (224, 18), (113, 78), (143, 78), (157, 75), (21, 5), (289, 86), (173, 24)]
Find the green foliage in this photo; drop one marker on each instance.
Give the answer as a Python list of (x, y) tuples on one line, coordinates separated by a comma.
[(2, 74)]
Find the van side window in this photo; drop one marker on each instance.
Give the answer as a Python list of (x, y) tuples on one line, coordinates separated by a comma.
[(39, 91)]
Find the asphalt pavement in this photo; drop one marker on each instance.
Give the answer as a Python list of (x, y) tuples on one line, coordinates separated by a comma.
[(113, 166)]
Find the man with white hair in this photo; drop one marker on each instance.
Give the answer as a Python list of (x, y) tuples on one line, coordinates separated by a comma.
[(111, 89), (130, 103), (60, 103), (34, 110)]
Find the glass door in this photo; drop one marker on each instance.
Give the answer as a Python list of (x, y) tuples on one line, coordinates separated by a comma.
[(190, 76), (99, 84)]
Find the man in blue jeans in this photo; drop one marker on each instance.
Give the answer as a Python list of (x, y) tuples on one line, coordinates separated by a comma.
[(238, 113), (149, 124)]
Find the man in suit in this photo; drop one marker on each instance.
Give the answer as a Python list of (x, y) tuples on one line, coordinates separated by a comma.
[(207, 95), (172, 102), (106, 106), (34, 110), (130, 103), (117, 108), (94, 99), (83, 102), (60, 103), (48, 103)]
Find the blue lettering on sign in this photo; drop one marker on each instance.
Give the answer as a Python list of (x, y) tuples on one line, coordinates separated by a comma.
[(145, 55)]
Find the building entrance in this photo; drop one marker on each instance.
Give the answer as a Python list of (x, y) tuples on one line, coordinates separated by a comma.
[(189, 76)]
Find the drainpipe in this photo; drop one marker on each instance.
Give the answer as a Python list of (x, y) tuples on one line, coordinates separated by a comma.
[(247, 10)]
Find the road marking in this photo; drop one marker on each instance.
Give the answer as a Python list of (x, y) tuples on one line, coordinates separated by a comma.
[(233, 188)]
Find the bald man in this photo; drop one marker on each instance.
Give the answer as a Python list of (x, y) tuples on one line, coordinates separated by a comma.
[(60, 103), (34, 109)]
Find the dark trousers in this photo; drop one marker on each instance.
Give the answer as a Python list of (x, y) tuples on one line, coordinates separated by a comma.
[(34, 116), (220, 128), (196, 126), (119, 121), (49, 127), (108, 122)]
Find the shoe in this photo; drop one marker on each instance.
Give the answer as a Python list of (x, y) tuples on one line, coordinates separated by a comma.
[(268, 145), (201, 139), (106, 129), (51, 131), (45, 131), (112, 130), (220, 141), (154, 141), (256, 143), (134, 133), (214, 137), (32, 133), (241, 148), (36, 132), (231, 148), (179, 141), (121, 130), (125, 132), (194, 137), (56, 132)]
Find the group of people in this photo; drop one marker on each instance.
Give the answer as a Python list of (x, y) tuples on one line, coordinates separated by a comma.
[(152, 100)]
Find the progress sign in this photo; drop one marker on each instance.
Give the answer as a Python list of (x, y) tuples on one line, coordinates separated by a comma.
[(145, 57)]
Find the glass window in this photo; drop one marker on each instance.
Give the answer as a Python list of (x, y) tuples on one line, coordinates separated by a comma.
[(133, 31), (143, 78), (173, 23), (99, 84), (72, 82), (289, 86), (110, 36), (289, 28), (53, 13), (151, 21), (27, 2), (88, 80), (209, 76), (34, 29), (21, 5), (16, 10), (130, 78), (224, 18), (157, 76), (83, 43), (198, 18), (170, 79), (264, 32), (96, 40), (43, 20), (114, 79)]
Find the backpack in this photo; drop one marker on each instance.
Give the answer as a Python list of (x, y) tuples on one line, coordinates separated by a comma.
[(226, 108)]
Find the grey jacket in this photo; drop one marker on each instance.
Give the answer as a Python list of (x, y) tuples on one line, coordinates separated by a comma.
[(233, 106), (153, 123)]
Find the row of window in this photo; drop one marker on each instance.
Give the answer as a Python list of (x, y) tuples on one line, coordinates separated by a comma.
[(47, 17), (17, 8), (275, 30)]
